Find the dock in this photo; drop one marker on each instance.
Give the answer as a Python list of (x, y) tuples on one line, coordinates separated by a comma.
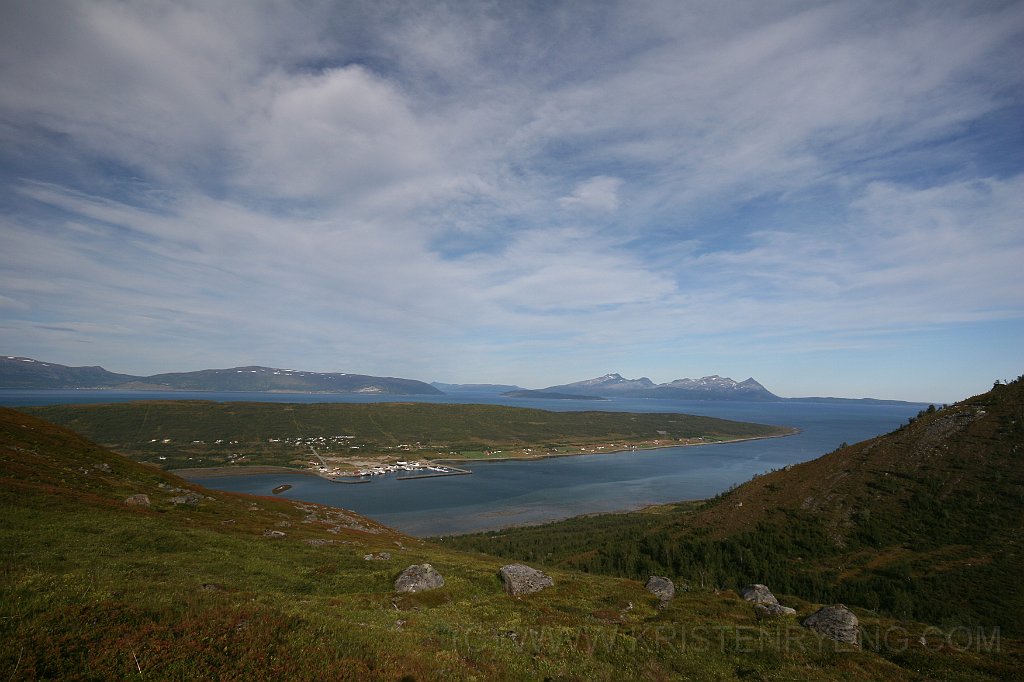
[(450, 471)]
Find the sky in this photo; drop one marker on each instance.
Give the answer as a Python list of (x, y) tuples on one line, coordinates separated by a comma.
[(825, 196)]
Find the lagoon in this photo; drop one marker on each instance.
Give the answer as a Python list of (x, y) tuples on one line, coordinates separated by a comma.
[(501, 494)]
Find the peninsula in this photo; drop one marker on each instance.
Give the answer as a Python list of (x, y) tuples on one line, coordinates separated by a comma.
[(346, 439)]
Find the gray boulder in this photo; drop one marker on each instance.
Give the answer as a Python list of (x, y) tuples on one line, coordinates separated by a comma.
[(189, 499), (139, 500), (661, 587), (418, 578), (835, 622), (759, 594), (518, 579)]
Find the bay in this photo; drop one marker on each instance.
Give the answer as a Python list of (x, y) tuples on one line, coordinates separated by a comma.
[(501, 494)]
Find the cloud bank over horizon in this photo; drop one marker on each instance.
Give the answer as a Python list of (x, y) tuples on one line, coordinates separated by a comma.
[(825, 196)]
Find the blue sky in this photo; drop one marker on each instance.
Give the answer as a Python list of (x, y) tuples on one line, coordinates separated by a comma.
[(828, 197)]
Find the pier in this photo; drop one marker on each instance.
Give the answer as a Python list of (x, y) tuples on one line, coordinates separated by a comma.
[(434, 473)]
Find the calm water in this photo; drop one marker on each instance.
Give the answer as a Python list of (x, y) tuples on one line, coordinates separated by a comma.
[(501, 494)]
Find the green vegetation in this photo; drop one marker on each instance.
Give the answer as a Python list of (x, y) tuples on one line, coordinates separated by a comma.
[(235, 587), (924, 523), (177, 434)]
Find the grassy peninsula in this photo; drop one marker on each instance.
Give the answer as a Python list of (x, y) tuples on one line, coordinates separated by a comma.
[(189, 434)]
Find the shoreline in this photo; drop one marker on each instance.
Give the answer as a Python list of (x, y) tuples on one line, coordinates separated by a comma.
[(202, 473), (794, 431)]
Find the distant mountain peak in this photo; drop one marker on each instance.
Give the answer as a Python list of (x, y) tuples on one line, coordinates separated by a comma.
[(711, 387)]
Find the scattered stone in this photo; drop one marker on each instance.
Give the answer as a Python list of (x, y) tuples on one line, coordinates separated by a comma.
[(139, 500), (383, 556), (835, 622), (228, 522), (418, 578), (273, 533), (759, 594), (518, 579), (190, 499), (212, 587), (319, 542), (104, 467), (763, 611), (661, 587)]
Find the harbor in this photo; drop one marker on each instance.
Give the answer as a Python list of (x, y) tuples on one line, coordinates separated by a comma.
[(415, 470)]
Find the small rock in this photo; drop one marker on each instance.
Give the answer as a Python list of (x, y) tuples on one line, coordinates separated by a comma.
[(518, 579), (835, 622), (273, 533), (104, 467), (418, 578), (190, 499), (212, 587), (383, 556), (661, 587), (139, 500)]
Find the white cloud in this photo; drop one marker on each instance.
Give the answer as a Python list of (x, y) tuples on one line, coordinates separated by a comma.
[(377, 184), (600, 193)]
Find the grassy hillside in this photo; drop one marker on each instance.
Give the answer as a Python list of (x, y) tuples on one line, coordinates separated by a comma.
[(208, 585), (925, 523), (209, 432)]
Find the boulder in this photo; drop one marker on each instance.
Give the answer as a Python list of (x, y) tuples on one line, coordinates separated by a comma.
[(139, 500), (518, 579), (190, 499), (835, 622), (763, 611), (661, 587), (418, 578), (759, 594)]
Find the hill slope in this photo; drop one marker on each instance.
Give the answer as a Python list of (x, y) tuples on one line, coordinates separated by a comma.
[(925, 522), (17, 372), (199, 584)]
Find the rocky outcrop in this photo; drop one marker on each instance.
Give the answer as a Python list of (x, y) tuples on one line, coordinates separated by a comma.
[(518, 579), (418, 578), (139, 500), (661, 587), (835, 622)]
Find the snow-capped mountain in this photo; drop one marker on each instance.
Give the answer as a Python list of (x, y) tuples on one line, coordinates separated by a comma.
[(712, 387)]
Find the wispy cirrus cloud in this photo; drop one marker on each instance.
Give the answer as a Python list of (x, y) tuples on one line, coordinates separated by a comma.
[(450, 191)]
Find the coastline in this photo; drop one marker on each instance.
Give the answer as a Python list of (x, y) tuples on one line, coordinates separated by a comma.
[(793, 431), (199, 473), (202, 473)]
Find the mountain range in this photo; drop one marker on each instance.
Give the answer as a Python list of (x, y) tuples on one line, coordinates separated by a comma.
[(711, 387), (18, 372), (28, 373)]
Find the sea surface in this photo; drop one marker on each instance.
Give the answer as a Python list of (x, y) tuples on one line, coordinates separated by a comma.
[(501, 494)]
